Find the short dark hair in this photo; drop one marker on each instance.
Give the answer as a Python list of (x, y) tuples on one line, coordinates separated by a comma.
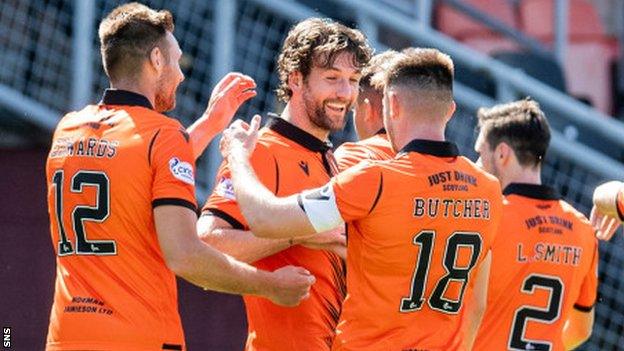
[(373, 89), (423, 69), (520, 124), (377, 64), (127, 36), (317, 42)]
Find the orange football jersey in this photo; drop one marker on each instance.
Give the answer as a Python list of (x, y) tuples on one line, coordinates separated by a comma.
[(418, 226), (288, 160), (377, 147), (109, 165), (544, 263)]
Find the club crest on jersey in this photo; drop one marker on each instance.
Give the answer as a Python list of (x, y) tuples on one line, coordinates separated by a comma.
[(225, 189), (182, 170)]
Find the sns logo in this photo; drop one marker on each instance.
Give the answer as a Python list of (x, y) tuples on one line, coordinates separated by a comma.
[(6, 342), (182, 170)]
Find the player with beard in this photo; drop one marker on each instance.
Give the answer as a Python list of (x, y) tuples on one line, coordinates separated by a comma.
[(420, 224), (319, 69), (373, 141), (121, 200)]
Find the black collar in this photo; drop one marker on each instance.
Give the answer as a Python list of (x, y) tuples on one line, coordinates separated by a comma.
[(296, 134), (534, 191), (125, 97), (431, 147)]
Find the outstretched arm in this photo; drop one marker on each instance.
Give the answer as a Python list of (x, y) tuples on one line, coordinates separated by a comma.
[(226, 98), (246, 247), (206, 267)]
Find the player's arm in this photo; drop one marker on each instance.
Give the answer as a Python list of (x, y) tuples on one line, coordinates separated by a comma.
[(270, 216), (608, 211), (577, 328), (246, 247), (206, 267), (580, 321), (238, 243), (226, 98), (478, 302)]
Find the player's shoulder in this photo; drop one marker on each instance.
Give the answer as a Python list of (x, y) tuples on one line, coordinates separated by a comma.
[(352, 150), (484, 177), (271, 142), (347, 147), (574, 213)]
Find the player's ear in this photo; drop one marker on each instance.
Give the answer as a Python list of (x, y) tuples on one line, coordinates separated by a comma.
[(451, 110), (156, 59), (503, 153), (295, 81), (367, 109), (393, 104)]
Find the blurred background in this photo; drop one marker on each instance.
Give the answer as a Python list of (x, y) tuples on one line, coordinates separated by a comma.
[(566, 54)]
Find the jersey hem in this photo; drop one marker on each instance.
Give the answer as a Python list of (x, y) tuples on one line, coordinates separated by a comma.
[(175, 202), (236, 224)]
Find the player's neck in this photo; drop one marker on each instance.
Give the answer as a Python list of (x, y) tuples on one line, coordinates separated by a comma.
[(144, 89), (418, 131), (299, 118), (523, 175)]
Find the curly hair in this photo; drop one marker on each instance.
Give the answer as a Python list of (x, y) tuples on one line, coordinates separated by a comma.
[(127, 36), (522, 125), (317, 42)]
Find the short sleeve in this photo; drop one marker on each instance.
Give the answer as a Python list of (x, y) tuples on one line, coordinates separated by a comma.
[(222, 201), (173, 169), (358, 190), (587, 295)]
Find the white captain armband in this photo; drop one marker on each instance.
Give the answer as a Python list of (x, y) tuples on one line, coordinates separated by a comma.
[(320, 206)]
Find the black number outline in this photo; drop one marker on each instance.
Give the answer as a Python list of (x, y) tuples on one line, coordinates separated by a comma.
[(528, 287), (98, 213), (438, 293), (417, 286), (407, 302)]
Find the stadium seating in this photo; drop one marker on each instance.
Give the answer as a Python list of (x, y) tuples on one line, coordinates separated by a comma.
[(590, 51), (474, 34)]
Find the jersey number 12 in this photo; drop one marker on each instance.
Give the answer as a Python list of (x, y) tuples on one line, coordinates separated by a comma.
[(80, 214)]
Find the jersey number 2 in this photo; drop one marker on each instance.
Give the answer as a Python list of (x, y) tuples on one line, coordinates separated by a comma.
[(437, 301), (549, 315), (80, 214)]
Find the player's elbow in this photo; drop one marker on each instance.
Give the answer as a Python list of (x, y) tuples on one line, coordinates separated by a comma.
[(186, 266), (180, 260)]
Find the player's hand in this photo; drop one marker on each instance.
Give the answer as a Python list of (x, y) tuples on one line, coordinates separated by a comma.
[(291, 286), (227, 97), (605, 226), (333, 240), (605, 197), (604, 215), (240, 137)]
